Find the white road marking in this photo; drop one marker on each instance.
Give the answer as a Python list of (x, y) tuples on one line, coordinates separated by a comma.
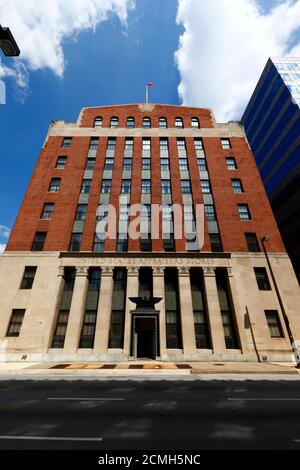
[(52, 438), (297, 440), (86, 399), (263, 399)]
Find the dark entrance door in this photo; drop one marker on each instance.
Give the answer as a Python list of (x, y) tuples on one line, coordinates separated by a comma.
[(145, 337)]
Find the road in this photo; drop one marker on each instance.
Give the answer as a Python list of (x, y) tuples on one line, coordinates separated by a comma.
[(150, 414)]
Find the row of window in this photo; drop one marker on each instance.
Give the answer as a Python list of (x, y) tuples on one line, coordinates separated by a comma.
[(146, 123)]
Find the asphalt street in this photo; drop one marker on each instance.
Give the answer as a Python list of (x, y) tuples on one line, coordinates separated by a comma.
[(150, 414)]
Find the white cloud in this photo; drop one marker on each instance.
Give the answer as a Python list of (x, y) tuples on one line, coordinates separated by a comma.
[(224, 47), (2, 248), (4, 231), (40, 27)]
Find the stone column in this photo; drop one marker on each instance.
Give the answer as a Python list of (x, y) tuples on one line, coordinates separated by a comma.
[(104, 311), (77, 310), (131, 291), (238, 313), (187, 315), (214, 311), (159, 291), (51, 321)]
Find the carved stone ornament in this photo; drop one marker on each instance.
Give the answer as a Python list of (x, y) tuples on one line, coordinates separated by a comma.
[(82, 270), (148, 262), (209, 271)]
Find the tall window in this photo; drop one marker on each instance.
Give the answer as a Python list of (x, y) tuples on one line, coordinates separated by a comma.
[(126, 187), (145, 243), (179, 123), (86, 186), (146, 186), (106, 186), (183, 164), (91, 307), (64, 308), (54, 185), (195, 123), (274, 324), (111, 143), (16, 320), (98, 122), (61, 163), (231, 163), (60, 329), (129, 144), (146, 144), (109, 164), (114, 123), (244, 212), (39, 241), (185, 187), (90, 164), (202, 164), (130, 123), (146, 164), (181, 146), (163, 144), (164, 164), (205, 186), (127, 164), (237, 186), (67, 142), (166, 186), (163, 124), (172, 303), (210, 212), (146, 123), (76, 239), (94, 142), (215, 243), (252, 242), (226, 144), (124, 211), (262, 279), (198, 144), (28, 277), (81, 212), (47, 211), (116, 332), (122, 243), (226, 309), (200, 310), (99, 241)]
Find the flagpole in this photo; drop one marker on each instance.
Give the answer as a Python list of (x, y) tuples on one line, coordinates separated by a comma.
[(147, 93)]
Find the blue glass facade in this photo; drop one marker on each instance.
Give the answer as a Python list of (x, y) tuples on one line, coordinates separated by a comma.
[(272, 125)]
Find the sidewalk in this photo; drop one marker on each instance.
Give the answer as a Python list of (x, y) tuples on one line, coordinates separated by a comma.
[(146, 368)]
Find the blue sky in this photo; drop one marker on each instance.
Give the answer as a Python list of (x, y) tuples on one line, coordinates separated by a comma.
[(110, 66)]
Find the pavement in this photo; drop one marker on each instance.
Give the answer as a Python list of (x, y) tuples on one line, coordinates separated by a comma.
[(193, 413), (146, 368)]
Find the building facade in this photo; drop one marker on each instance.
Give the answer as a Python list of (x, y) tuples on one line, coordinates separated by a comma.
[(272, 125), (65, 288)]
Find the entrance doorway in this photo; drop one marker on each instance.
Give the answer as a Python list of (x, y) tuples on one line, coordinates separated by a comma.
[(144, 337)]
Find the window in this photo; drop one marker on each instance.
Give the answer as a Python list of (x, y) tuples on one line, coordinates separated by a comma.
[(98, 244), (167, 212), (28, 277), (127, 164), (169, 243), (114, 123), (146, 186), (61, 329), (15, 323), (188, 213), (94, 143), (98, 122), (129, 144), (226, 144), (106, 186), (202, 164), (146, 164), (122, 243), (109, 164), (262, 279), (185, 187), (164, 164), (86, 186), (244, 212), (111, 144), (163, 124), (130, 123), (183, 164), (88, 329), (67, 142), (124, 212), (237, 186), (81, 212), (166, 186), (181, 145), (274, 324), (90, 164), (163, 144), (205, 186), (75, 241), (210, 212), (146, 212), (145, 244), (252, 242), (198, 144), (146, 144), (215, 243), (126, 186), (231, 163), (146, 123), (61, 163), (39, 241), (47, 211), (69, 276), (179, 123), (54, 185), (195, 123)]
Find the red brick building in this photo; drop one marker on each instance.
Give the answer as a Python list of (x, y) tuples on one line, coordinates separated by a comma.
[(67, 288)]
